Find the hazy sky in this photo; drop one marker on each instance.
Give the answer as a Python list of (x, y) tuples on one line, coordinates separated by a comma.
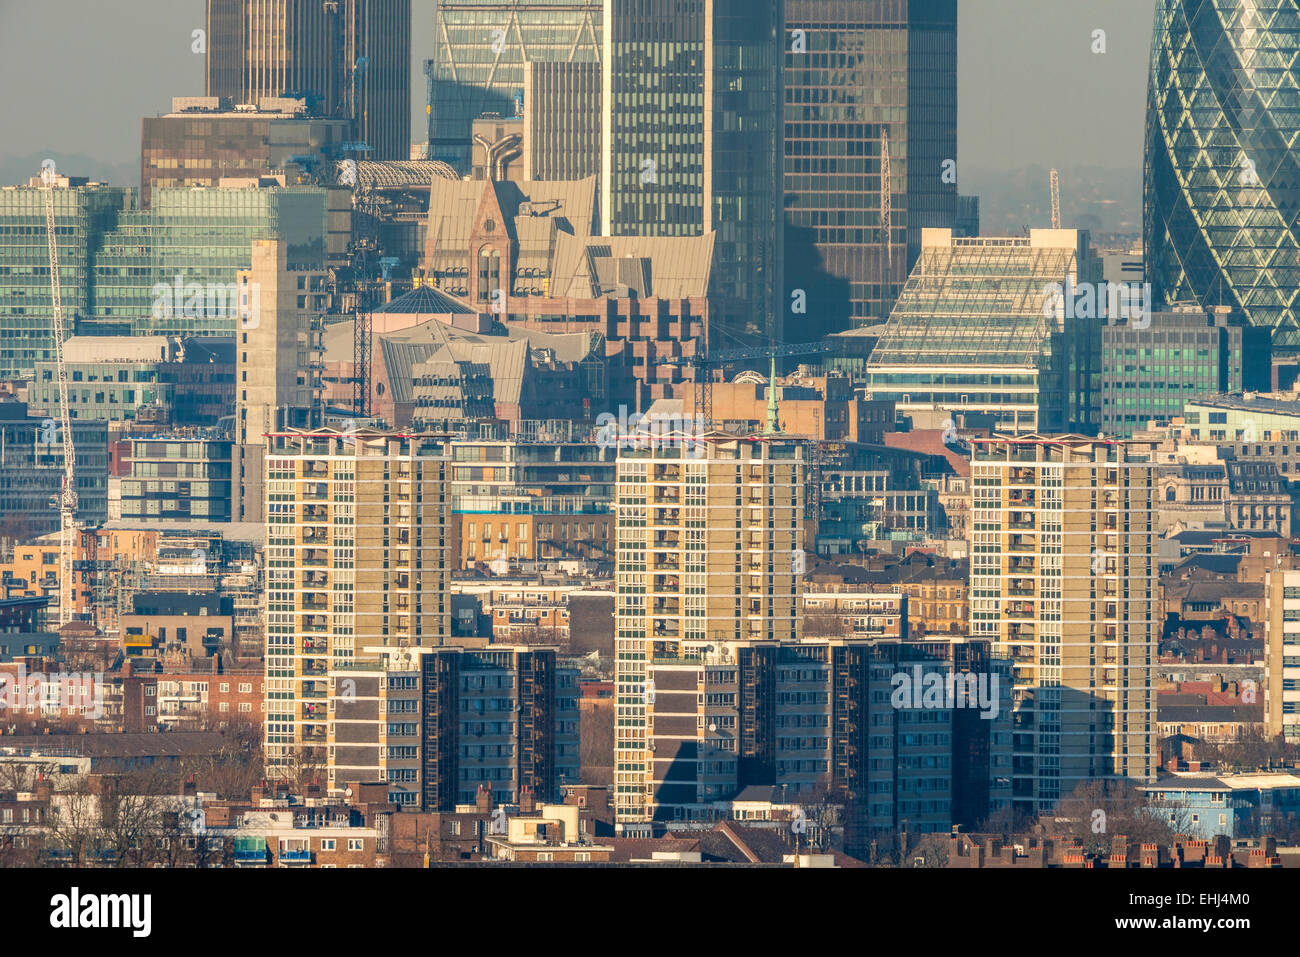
[(78, 75)]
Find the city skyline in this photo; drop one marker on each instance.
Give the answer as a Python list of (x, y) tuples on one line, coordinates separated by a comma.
[(1001, 155)]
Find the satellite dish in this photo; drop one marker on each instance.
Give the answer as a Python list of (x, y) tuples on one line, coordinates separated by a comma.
[(347, 792)]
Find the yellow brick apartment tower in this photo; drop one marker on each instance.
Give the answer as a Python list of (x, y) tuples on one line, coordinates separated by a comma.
[(1063, 582), (356, 555), (707, 540)]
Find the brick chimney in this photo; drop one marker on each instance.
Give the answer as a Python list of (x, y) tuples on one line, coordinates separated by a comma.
[(527, 800), (483, 799)]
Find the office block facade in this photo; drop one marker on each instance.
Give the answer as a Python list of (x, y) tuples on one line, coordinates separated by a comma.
[(692, 140), (171, 270), (437, 724), (706, 540), (481, 52), (350, 58), (356, 560), (1063, 583), (1149, 373), (82, 216), (31, 470), (179, 477), (856, 72), (562, 120), (203, 141), (983, 325)]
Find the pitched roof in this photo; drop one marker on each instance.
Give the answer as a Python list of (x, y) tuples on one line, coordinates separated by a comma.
[(426, 300)]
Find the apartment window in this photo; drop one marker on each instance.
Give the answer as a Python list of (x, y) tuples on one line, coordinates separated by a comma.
[(355, 844), (150, 691), (225, 687), (327, 844), (245, 687)]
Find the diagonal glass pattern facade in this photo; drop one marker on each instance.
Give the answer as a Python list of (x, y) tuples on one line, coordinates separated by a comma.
[(480, 51), (1222, 179), (977, 329)]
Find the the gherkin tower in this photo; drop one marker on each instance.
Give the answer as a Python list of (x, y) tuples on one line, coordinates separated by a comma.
[(1222, 179)]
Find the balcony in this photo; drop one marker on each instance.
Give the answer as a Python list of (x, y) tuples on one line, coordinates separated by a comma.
[(1020, 566), (1022, 497), (666, 516), (1022, 543), (315, 602), (315, 557), (315, 492), (665, 495), (315, 623), (667, 563), (314, 470), (315, 580), (670, 540), (668, 606), (1018, 610), (315, 513), (1022, 477), (315, 535), (1018, 632)]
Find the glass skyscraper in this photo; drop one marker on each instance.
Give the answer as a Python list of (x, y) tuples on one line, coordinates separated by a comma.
[(193, 242), (480, 51), (693, 139), (1222, 183), (351, 56), (82, 217), (854, 71)]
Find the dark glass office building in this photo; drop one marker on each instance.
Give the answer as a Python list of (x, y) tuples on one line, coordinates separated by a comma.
[(693, 140), (481, 49), (856, 70), (1150, 371), (350, 57), (1222, 183)]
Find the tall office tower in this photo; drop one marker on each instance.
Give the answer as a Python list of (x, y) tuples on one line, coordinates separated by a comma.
[(481, 50), (439, 723), (277, 363), (83, 214), (706, 553), (562, 121), (352, 56), (1063, 582), (1222, 174), (692, 141), (356, 554), (857, 71), (992, 326)]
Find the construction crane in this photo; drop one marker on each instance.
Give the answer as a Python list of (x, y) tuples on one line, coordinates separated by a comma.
[(704, 361), (68, 495), (1056, 200)]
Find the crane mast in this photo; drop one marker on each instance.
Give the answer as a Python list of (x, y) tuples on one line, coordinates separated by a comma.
[(1056, 199), (68, 494)]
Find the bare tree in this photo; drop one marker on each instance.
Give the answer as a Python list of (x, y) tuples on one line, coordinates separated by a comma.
[(1098, 810), (74, 824)]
